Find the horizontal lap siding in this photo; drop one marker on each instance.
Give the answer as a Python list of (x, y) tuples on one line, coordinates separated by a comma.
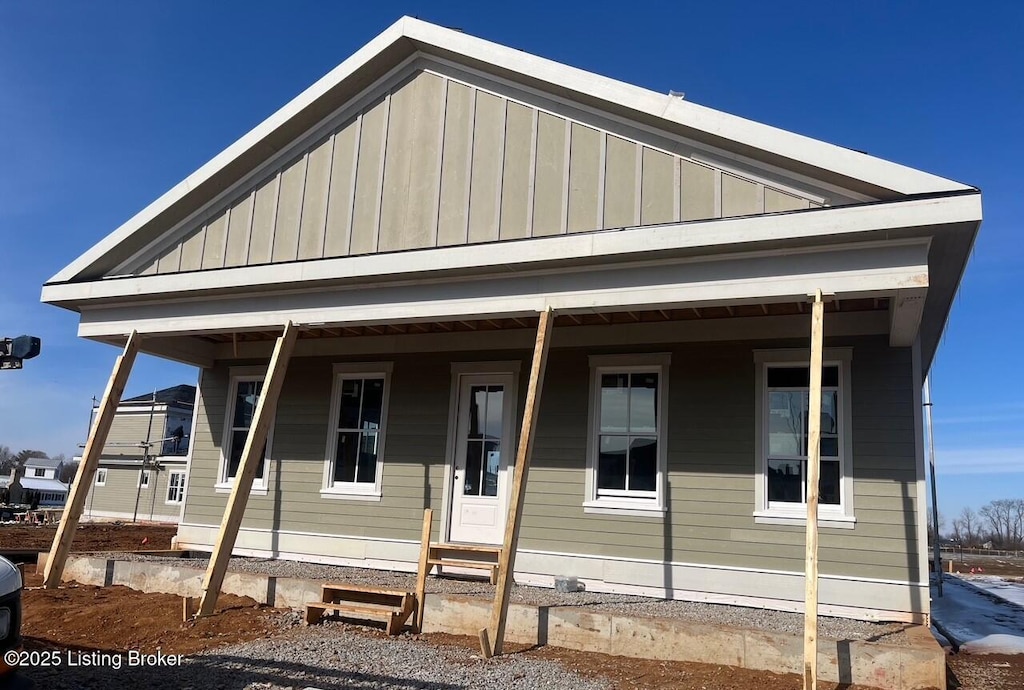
[(119, 492), (711, 449)]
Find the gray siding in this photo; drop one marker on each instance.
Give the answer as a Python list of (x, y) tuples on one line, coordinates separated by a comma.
[(711, 462), (432, 161)]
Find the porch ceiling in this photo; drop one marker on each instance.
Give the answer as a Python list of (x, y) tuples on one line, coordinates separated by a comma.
[(309, 332)]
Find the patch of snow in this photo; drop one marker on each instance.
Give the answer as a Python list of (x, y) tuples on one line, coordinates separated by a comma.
[(977, 620), (1012, 592), (995, 644)]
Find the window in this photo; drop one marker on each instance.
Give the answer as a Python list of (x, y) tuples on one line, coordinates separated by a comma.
[(782, 420), (245, 392), (626, 458), (355, 444), (101, 476), (38, 472), (175, 486), (144, 479)]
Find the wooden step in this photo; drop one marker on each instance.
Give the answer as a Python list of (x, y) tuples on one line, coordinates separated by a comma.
[(469, 556), (364, 602)]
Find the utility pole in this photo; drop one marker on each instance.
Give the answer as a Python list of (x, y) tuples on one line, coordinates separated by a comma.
[(145, 460)]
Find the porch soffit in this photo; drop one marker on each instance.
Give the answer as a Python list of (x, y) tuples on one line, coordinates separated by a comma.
[(741, 142)]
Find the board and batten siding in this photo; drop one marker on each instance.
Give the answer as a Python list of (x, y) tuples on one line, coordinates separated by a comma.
[(116, 498), (434, 161), (711, 462)]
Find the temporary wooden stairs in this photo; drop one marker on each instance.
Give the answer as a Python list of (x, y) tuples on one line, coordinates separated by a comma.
[(365, 603), (469, 556)]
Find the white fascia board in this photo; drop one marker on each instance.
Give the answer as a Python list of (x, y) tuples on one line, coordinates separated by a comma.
[(875, 269), (837, 223), (842, 161)]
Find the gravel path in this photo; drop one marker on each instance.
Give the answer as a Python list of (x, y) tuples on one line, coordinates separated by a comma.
[(720, 614), (328, 657)]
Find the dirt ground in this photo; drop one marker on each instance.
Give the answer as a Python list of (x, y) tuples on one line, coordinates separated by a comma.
[(118, 618), (1008, 567), (90, 537), (985, 672)]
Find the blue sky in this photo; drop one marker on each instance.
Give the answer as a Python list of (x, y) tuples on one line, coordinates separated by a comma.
[(106, 105)]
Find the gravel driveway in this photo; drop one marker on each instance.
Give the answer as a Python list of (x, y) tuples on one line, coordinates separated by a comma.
[(327, 657)]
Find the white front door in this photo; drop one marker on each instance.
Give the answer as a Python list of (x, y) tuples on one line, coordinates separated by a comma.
[(483, 454)]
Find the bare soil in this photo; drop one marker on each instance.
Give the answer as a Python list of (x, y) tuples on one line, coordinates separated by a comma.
[(120, 619), (90, 537), (1008, 567), (985, 671)]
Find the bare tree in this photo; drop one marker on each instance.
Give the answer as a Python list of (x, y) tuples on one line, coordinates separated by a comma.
[(965, 527), (6, 459), (999, 517)]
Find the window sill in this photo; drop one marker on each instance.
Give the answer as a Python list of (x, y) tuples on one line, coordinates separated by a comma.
[(349, 495), (633, 508), (256, 490), (775, 517)]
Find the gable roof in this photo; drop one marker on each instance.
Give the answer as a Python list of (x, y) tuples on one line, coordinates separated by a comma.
[(870, 176), (48, 463), (182, 394)]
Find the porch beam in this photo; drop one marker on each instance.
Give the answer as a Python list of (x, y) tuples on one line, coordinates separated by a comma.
[(813, 472), (252, 457), (90, 460), (492, 638), (871, 270)]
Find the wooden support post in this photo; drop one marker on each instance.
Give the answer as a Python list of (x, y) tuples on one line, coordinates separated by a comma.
[(252, 457), (492, 637), (90, 460), (421, 572), (813, 472)]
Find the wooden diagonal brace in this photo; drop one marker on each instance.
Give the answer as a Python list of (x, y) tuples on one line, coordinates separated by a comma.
[(493, 637), (252, 456), (90, 460)]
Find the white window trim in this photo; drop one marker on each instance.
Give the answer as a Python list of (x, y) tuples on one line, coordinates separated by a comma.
[(101, 472), (148, 474), (225, 483), (167, 500), (841, 516), (355, 491), (38, 472), (625, 505)]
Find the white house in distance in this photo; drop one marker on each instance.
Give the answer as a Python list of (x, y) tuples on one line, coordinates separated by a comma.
[(414, 211), (132, 482), (38, 480)]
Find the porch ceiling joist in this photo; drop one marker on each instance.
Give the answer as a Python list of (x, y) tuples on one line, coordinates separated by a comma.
[(854, 271)]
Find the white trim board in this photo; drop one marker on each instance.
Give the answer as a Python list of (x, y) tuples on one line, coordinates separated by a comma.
[(704, 122)]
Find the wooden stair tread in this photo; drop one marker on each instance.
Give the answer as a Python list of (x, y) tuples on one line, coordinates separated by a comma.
[(360, 607), (477, 548), (364, 589), (449, 562)]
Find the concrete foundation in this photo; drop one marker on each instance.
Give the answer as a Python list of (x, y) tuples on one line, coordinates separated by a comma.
[(921, 665)]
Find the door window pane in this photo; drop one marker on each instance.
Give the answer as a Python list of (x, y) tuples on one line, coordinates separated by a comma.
[(474, 463), (492, 461)]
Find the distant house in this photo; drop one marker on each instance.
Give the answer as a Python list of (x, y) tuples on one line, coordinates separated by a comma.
[(141, 472), (36, 483)]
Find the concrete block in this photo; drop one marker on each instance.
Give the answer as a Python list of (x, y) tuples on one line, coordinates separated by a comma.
[(767, 651), (293, 593)]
